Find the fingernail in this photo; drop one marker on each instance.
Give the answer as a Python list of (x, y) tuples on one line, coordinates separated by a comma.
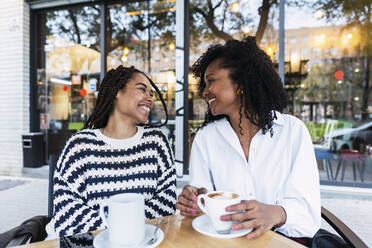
[(235, 227), (223, 218), (228, 209)]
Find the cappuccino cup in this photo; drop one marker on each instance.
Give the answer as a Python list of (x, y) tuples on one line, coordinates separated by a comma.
[(125, 219), (214, 206)]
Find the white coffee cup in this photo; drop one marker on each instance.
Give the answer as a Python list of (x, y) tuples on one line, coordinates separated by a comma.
[(125, 219), (215, 204)]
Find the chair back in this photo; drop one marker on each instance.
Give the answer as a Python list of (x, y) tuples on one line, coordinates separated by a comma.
[(327, 139)]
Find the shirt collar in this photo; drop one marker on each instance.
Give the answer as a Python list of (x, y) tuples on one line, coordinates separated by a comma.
[(279, 118)]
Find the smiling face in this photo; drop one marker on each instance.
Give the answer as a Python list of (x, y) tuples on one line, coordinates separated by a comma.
[(135, 102), (220, 90)]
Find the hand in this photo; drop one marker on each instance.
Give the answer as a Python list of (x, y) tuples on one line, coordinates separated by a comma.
[(261, 217), (187, 201)]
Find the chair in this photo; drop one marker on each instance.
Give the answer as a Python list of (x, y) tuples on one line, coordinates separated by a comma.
[(350, 238), (325, 155), (31, 230), (357, 160), (323, 151)]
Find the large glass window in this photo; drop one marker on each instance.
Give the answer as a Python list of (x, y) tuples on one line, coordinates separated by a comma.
[(329, 86), (142, 34), (68, 71)]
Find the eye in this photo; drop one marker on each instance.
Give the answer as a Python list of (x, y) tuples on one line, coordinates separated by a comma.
[(143, 89)]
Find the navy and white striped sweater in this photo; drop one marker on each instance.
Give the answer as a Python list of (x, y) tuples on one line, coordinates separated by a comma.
[(93, 167)]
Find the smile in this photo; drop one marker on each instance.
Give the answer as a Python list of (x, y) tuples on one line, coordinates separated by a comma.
[(145, 108), (211, 100)]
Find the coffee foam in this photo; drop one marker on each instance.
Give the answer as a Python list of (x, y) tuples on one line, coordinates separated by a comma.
[(223, 196)]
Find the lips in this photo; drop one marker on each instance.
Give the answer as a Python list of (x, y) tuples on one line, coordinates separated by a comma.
[(145, 107)]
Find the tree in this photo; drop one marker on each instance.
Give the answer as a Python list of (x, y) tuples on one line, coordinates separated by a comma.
[(357, 15)]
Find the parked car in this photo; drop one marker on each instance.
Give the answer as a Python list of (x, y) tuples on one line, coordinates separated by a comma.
[(356, 138)]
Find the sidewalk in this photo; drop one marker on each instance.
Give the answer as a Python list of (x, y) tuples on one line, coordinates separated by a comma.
[(27, 196)]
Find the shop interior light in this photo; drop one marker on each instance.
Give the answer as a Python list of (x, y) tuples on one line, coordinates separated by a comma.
[(356, 70), (356, 98), (125, 50), (171, 46), (124, 58), (60, 81)]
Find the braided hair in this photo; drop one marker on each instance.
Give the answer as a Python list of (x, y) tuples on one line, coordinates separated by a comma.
[(115, 80), (260, 88)]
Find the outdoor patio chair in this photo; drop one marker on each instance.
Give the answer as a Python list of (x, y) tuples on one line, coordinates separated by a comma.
[(325, 155), (31, 230), (356, 159), (351, 239)]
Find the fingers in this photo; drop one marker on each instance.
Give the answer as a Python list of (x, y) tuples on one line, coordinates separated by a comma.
[(202, 191), (187, 201), (243, 205), (255, 233), (190, 192), (242, 216), (187, 211)]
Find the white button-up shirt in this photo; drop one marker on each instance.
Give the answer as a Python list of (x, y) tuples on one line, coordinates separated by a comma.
[(281, 170)]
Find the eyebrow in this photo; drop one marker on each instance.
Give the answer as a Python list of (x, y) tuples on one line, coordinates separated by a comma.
[(142, 84), (210, 74)]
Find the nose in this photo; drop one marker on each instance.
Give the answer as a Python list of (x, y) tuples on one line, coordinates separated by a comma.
[(205, 91)]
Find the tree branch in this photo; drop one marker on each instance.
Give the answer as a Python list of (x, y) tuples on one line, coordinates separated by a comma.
[(74, 23), (264, 13)]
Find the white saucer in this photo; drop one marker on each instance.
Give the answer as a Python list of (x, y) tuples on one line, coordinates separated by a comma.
[(202, 224), (102, 239)]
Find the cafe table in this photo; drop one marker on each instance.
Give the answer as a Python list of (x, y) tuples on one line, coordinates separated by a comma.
[(179, 233)]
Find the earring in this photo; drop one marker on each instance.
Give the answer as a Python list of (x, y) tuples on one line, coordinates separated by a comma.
[(239, 92)]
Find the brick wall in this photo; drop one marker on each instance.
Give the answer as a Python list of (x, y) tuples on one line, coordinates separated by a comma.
[(14, 83)]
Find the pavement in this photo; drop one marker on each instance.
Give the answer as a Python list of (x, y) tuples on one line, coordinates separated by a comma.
[(26, 196)]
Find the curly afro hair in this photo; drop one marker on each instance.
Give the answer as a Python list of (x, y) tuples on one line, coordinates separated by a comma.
[(115, 80), (252, 70)]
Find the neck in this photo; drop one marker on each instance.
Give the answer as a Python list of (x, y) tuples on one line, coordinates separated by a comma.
[(248, 128), (119, 128)]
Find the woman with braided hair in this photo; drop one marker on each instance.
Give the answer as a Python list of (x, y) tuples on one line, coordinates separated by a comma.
[(117, 152), (268, 157)]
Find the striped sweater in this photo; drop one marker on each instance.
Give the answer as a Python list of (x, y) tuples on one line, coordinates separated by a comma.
[(93, 167)]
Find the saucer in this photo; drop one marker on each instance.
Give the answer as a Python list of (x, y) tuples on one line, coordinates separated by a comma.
[(102, 239), (202, 224)]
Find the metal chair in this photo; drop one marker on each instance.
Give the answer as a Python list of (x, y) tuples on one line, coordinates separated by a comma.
[(356, 159), (325, 155)]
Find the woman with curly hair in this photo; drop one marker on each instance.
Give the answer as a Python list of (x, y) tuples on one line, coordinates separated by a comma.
[(117, 152), (248, 146)]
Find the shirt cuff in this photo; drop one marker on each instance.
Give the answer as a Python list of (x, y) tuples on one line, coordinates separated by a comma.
[(297, 224)]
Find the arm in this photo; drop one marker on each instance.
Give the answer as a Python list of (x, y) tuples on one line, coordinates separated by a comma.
[(71, 213), (164, 200), (301, 195)]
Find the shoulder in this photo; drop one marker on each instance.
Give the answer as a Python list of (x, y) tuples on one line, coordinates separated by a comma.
[(292, 124), (82, 138), (154, 135), (210, 130)]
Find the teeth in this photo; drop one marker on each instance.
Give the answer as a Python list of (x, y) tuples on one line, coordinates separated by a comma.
[(147, 109), (211, 100)]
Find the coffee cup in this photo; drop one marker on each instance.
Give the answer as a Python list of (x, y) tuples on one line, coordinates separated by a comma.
[(214, 206), (125, 219)]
